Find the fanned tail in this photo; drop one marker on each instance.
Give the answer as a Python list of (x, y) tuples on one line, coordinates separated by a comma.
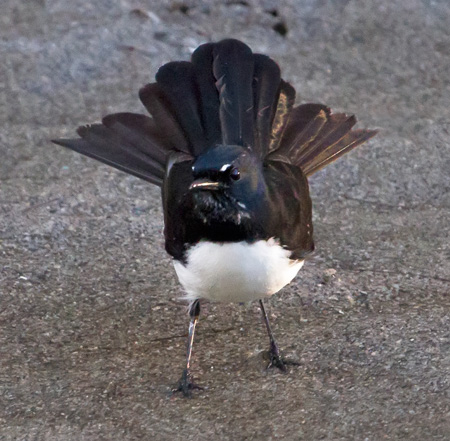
[(126, 141), (224, 95), (314, 137)]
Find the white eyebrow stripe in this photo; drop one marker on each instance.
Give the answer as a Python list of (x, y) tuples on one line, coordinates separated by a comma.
[(225, 167)]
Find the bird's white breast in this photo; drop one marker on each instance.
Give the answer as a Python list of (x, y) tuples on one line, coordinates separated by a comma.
[(236, 271)]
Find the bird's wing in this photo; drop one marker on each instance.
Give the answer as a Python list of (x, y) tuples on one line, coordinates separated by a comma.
[(290, 208)]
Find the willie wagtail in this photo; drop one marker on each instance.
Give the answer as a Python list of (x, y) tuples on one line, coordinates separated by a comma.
[(232, 155)]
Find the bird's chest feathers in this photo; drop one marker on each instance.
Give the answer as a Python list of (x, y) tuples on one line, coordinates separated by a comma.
[(213, 208), (236, 271)]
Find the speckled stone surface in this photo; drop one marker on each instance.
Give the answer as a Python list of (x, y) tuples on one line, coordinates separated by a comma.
[(92, 331)]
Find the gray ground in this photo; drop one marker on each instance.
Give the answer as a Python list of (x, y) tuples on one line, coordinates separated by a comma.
[(92, 329)]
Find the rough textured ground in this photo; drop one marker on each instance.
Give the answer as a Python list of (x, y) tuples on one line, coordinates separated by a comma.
[(92, 330)]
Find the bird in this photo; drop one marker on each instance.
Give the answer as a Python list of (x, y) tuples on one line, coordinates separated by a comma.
[(232, 155)]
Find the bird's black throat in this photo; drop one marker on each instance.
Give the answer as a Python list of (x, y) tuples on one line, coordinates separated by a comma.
[(217, 207), (216, 216)]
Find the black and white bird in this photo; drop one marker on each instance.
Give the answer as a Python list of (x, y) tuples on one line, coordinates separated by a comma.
[(232, 155)]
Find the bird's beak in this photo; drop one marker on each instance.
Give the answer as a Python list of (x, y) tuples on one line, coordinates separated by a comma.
[(205, 184)]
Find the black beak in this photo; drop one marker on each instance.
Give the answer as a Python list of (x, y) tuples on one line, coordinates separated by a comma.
[(205, 184)]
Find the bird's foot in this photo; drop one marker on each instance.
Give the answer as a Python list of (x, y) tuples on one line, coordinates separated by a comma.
[(186, 385), (275, 360)]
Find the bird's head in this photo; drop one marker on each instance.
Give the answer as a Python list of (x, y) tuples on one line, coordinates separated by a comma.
[(228, 186), (230, 170)]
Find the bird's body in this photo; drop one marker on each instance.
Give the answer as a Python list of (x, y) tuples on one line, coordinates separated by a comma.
[(236, 271), (241, 241), (232, 155)]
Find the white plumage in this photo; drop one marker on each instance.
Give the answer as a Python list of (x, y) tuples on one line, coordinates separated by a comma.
[(236, 271)]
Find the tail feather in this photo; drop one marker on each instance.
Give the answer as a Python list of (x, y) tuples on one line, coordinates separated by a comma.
[(107, 141), (284, 104), (331, 153), (100, 142), (162, 112), (85, 148), (334, 129), (302, 138), (298, 119), (266, 91), (140, 131), (233, 71), (225, 95), (178, 84), (315, 137), (202, 60)]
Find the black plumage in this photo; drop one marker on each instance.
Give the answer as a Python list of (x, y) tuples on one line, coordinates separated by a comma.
[(225, 96), (233, 69), (230, 151), (266, 91), (202, 60)]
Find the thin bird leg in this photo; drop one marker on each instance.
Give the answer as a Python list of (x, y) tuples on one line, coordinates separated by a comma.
[(185, 384), (274, 351)]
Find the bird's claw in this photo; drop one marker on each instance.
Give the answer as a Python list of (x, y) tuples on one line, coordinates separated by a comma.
[(186, 385), (275, 360)]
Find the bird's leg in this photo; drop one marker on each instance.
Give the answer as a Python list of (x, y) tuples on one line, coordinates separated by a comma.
[(185, 384), (274, 351)]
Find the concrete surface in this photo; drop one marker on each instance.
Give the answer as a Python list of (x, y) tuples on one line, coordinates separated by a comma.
[(91, 325)]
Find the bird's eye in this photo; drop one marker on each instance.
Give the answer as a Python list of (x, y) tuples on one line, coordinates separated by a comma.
[(234, 173)]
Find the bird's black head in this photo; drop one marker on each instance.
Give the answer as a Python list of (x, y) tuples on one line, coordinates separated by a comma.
[(228, 184), (232, 170)]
